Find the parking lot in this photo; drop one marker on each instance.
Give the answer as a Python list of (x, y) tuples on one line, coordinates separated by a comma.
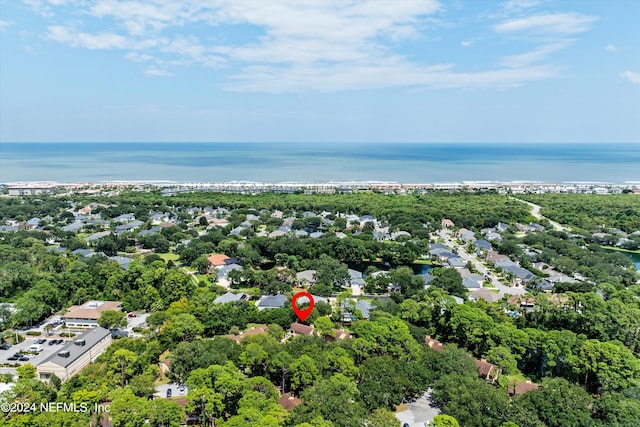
[(57, 333), (177, 390), (34, 359)]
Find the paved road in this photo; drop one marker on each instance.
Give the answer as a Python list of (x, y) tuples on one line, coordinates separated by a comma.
[(484, 271), (535, 211)]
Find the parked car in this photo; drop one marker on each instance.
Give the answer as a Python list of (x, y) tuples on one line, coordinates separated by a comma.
[(169, 392), (132, 315), (40, 341), (24, 359), (52, 342), (35, 348), (5, 346), (14, 357)]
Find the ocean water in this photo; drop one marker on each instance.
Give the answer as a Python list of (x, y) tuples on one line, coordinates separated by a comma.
[(319, 162)]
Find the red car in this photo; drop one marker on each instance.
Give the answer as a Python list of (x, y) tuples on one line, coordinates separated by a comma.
[(132, 315)]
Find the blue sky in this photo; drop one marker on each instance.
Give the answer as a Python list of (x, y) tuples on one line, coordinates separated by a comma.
[(381, 70)]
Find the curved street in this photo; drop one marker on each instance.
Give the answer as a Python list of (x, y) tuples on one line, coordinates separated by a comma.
[(535, 211)]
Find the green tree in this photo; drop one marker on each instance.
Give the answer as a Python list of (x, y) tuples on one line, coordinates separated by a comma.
[(559, 393), (444, 421), (303, 372), (206, 404), (111, 319), (382, 418), (127, 410), (165, 413), (124, 360), (181, 327)]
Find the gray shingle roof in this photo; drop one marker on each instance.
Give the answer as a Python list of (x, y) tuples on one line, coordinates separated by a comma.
[(272, 301), (230, 297)]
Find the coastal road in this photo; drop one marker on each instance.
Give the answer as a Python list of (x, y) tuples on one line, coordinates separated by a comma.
[(535, 211)]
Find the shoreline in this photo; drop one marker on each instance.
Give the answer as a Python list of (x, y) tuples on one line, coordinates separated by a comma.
[(435, 184)]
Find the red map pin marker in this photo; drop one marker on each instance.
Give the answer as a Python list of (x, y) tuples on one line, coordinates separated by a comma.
[(302, 313)]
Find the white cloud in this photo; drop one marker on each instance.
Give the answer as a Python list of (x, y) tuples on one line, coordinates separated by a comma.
[(553, 23), (138, 57), (4, 24), (313, 45), (610, 48), (157, 72), (535, 55), (87, 40), (632, 76), (516, 5)]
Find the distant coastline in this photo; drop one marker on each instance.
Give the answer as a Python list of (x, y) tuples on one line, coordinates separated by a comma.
[(321, 163)]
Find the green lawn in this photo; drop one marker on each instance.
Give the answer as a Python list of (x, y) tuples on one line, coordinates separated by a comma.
[(169, 257), (202, 278)]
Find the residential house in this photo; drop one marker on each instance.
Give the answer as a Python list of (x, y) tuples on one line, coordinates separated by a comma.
[(84, 253), (122, 261), (74, 226), (364, 306), (223, 273), (33, 223), (483, 245), (520, 275), (236, 231), (466, 235), (75, 355), (268, 302), (428, 278), (397, 234), (485, 294), (277, 233), (300, 329), (470, 283), (306, 278), (97, 236), (518, 388), (258, 329), (124, 218), (231, 297), (316, 299), (130, 226), (487, 371), (447, 223), (433, 344), (526, 303), (288, 401), (338, 334), (159, 217), (456, 262), (150, 232), (216, 261), (504, 262)]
